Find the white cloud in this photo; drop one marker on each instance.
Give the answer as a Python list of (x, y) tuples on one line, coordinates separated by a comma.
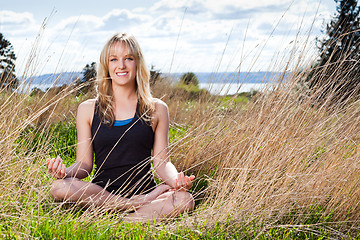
[(13, 18), (166, 5), (83, 22), (208, 27), (17, 24), (214, 4)]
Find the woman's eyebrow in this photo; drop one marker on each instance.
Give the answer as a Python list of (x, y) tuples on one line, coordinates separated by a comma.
[(126, 55)]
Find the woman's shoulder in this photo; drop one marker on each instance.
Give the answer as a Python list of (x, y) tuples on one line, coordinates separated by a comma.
[(86, 108), (90, 103), (161, 113), (160, 105)]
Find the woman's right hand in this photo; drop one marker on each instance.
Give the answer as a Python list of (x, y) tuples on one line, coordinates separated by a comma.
[(56, 167)]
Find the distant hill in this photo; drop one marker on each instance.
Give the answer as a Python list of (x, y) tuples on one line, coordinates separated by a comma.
[(56, 79)]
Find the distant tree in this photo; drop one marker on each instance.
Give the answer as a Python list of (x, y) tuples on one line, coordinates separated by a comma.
[(88, 81), (336, 75), (189, 78), (89, 72), (36, 91), (7, 64), (155, 75)]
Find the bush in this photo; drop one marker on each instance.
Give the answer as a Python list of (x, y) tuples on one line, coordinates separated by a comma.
[(189, 78)]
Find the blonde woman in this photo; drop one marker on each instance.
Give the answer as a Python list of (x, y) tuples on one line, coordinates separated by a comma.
[(124, 128)]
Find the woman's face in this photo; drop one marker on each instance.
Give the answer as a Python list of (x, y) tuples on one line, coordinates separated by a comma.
[(122, 65)]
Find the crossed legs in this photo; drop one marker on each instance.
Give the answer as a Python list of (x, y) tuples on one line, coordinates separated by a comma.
[(159, 203)]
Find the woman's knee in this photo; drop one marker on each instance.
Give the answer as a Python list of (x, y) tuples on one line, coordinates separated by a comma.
[(184, 201), (60, 188)]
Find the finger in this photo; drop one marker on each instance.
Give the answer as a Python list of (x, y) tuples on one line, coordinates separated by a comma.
[(187, 183), (63, 169), (178, 181), (56, 165), (192, 177), (184, 182), (181, 179), (60, 163), (60, 171), (184, 179), (51, 163)]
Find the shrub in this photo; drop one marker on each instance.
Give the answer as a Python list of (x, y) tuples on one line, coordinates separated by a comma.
[(189, 78)]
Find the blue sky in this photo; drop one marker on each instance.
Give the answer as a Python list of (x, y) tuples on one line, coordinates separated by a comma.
[(225, 35)]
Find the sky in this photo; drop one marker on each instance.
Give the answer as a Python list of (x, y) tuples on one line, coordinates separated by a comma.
[(175, 35)]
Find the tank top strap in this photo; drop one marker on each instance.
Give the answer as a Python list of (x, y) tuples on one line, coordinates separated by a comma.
[(96, 116), (137, 111)]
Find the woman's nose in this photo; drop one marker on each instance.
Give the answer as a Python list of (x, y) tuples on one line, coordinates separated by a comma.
[(121, 64)]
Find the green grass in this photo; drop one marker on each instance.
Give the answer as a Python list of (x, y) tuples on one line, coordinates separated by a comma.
[(241, 98), (60, 138), (70, 225), (53, 221)]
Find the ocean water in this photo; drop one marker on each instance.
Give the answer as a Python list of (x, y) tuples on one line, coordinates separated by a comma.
[(233, 88), (233, 77), (223, 83)]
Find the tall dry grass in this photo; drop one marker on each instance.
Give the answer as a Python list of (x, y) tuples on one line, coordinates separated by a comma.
[(283, 154), (275, 160), (24, 197)]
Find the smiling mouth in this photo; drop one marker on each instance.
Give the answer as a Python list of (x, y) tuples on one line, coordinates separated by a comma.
[(121, 74)]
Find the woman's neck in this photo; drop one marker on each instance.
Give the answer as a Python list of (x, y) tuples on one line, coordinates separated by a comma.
[(123, 93), (124, 96), (124, 105)]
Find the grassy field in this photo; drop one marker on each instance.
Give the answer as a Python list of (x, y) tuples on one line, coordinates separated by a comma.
[(273, 165)]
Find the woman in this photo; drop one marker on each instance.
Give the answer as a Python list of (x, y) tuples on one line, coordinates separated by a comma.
[(125, 127)]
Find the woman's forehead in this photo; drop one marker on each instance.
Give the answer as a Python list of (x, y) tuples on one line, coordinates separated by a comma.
[(120, 48)]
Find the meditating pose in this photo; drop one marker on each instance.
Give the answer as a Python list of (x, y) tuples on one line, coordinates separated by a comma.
[(126, 129)]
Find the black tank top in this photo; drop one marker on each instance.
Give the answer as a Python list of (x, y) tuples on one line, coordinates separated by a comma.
[(122, 155)]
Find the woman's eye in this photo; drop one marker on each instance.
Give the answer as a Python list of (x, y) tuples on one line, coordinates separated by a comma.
[(130, 58), (112, 59)]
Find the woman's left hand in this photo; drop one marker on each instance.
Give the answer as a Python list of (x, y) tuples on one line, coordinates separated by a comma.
[(184, 183)]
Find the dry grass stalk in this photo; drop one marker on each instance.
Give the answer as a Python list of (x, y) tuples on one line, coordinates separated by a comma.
[(278, 154)]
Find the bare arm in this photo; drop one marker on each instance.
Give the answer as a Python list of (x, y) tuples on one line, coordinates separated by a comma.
[(84, 153), (163, 166)]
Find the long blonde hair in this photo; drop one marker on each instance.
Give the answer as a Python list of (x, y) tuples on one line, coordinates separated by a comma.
[(104, 83)]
